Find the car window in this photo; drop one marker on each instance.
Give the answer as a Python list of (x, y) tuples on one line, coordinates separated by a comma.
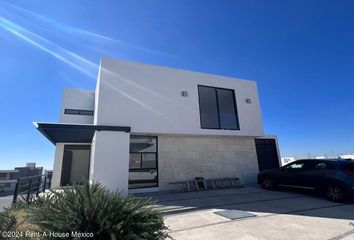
[(321, 165), (299, 165)]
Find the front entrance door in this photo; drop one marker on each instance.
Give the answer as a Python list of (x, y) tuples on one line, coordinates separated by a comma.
[(143, 169), (267, 154), (76, 164)]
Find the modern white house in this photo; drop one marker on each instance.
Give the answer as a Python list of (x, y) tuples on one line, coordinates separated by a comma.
[(146, 126)]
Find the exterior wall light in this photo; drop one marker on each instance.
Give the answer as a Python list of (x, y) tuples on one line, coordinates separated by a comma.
[(184, 94), (248, 100)]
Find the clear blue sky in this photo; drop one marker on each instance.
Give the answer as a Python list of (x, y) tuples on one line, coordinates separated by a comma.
[(301, 53)]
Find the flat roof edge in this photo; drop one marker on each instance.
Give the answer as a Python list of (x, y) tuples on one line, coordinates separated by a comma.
[(48, 125), (76, 133)]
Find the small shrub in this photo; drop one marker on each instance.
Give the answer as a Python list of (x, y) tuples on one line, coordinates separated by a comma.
[(7, 222), (93, 209), (14, 221)]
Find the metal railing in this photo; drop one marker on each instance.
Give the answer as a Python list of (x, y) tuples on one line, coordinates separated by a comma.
[(28, 186)]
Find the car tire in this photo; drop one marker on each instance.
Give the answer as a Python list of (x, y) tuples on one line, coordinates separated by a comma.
[(267, 183), (335, 193)]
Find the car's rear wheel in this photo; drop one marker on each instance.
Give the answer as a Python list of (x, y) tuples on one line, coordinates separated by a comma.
[(335, 193), (267, 183)]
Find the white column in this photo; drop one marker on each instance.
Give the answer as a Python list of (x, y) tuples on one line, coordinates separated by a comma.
[(58, 162), (109, 163)]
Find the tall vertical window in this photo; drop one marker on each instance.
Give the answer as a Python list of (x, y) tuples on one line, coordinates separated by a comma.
[(143, 170), (217, 108)]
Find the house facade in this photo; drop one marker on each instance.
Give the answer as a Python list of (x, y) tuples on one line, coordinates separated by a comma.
[(146, 126)]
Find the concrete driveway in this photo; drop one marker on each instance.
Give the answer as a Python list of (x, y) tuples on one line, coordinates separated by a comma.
[(278, 215), (5, 201)]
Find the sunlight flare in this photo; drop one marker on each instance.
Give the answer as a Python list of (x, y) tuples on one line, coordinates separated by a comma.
[(62, 54), (82, 33)]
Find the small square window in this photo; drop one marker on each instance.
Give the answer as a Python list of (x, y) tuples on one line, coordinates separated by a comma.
[(78, 112), (86, 112), (72, 111)]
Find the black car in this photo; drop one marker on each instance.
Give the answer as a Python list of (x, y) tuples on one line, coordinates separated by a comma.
[(332, 177)]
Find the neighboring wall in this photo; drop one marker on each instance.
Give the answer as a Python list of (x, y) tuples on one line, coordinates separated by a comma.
[(26, 172), (148, 99), (184, 158), (4, 175)]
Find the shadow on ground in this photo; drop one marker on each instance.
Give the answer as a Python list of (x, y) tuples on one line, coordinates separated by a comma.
[(252, 199)]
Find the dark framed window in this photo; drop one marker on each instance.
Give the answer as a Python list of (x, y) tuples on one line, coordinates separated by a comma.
[(142, 161), (217, 107), (143, 168), (78, 112), (86, 112)]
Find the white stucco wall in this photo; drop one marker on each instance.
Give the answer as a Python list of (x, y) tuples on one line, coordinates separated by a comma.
[(77, 99), (110, 159), (58, 162), (148, 98)]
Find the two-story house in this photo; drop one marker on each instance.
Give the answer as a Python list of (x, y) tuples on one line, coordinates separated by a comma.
[(146, 126)]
